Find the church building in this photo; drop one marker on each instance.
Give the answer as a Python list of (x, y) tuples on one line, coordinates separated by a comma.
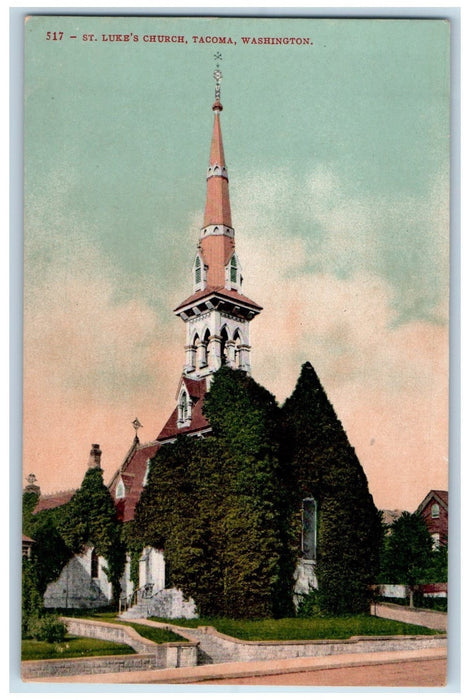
[(217, 317)]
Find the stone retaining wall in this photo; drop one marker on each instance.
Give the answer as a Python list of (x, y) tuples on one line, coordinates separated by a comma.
[(150, 655), (49, 668), (111, 632), (415, 616), (215, 647)]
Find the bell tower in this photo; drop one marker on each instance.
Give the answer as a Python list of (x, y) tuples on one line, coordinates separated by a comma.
[(217, 316)]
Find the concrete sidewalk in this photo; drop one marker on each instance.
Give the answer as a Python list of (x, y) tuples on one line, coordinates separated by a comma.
[(253, 669)]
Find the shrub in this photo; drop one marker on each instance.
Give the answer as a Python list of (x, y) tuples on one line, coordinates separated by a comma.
[(309, 605), (47, 628)]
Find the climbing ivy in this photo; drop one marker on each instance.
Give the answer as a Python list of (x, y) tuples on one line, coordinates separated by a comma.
[(90, 519)]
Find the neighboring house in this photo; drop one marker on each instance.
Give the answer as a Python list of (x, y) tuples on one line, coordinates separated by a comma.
[(26, 546), (434, 510), (389, 517)]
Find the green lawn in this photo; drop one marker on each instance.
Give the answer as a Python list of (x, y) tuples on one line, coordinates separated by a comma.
[(70, 648), (306, 628)]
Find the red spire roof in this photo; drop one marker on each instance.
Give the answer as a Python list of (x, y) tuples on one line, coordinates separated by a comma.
[(217, 200)]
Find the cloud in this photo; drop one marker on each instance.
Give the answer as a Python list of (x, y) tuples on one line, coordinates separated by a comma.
[(402, 239), (334, 293), (92, 362), (386, 375)]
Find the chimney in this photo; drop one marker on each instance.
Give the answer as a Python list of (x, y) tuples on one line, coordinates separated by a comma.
[(94, 459)]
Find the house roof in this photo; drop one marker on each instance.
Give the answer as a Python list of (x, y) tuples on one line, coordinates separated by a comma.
[(442, 497), (53, 500), (132, 473), (389, 516), (26, 540)]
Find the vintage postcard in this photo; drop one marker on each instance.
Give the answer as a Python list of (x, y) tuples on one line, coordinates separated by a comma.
[(236, 291)]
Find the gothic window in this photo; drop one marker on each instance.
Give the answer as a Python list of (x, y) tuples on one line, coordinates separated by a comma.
[(146, 475), (184, 407), (233, 269), (198, 271), (309, 528), (238, 341), (120, 490), (94, 564), (204, 346), (435, 511), (223, 346)]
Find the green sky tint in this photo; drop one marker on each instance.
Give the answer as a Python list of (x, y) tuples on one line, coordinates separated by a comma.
[(338, 158), (117, 133)]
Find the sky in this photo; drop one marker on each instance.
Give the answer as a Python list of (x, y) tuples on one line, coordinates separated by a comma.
[(337, 152)]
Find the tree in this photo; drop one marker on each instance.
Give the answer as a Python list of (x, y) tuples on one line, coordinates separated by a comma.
[(323, 465), (217, 506), (90, 519), (31, 597), (408, 552), (49, 551)]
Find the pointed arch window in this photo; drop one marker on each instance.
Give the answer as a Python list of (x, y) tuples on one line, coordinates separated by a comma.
[(146, 475), (184, 406), (120, 489), (198, 271), (309, 529), (184, 409), (435, 510), (238, 342), (204, 349), (223, 346), (233, 269)]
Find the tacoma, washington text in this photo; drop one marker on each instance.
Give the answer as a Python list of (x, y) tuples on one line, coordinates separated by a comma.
[(182, 39)]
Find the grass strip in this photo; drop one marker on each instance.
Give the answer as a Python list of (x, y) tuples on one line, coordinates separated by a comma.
[(71, 647), (287, 629)]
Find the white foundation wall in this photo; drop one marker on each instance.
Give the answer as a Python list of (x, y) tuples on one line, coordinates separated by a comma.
[(75, 587)]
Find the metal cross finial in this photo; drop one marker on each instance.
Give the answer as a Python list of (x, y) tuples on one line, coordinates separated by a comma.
[(217, 76), (137, 424)]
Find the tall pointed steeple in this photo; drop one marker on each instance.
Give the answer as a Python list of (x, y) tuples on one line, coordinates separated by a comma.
[(217, 240), (217, 315)]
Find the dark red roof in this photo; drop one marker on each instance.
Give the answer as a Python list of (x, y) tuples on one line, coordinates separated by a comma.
[(26, 539), (220, 291), (197, 389), (442, 496), (53, 500), (133, 474)]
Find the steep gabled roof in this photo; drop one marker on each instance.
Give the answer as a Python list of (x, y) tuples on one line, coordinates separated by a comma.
[(132, 473), (389, 516), (441, 497), (197, 389)]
